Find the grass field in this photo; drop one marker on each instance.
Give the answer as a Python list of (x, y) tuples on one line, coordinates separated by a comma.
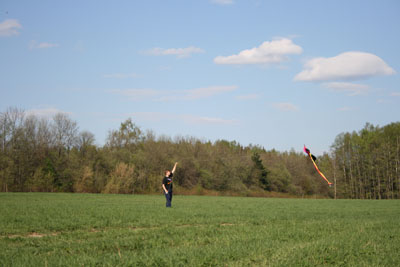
[(44, 229)]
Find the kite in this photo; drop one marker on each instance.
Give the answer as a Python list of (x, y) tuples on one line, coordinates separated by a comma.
[(313, 159)]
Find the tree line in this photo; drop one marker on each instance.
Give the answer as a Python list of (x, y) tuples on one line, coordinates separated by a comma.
[(366, 164), (51, 155)]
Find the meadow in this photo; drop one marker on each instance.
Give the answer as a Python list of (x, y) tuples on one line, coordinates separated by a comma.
[(61, 229)]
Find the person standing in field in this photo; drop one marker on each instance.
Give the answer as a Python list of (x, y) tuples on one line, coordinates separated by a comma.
[(167, 185)]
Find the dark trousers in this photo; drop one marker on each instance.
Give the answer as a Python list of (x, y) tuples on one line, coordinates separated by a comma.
[(169, 198)]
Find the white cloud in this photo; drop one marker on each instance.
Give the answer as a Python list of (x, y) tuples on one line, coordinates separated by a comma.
[(275, 51), (179, 52), (9, 27), (351, 89), (346, 66), (121, 75), (43, 45), (285, 106), (222, 2), (395, 94), (45, 112)]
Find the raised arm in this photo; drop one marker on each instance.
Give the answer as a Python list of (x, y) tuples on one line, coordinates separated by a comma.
[(173, 170)]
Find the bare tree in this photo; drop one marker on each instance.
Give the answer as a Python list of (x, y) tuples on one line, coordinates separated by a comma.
[(44, 135), (64, 131), (85, 139), (10, 128)]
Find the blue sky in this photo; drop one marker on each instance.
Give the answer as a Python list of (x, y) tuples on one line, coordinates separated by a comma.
[(278, 74)]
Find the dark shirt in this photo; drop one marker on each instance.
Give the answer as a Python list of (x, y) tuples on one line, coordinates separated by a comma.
[(167, 182)]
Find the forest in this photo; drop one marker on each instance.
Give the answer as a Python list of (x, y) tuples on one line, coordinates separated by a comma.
[(40, 154)]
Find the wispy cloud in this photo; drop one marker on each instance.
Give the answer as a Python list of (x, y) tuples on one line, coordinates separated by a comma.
[(382, 101), (174, 95), (345, 109), (185, 118), (138, 94), (346, 66), (79, 46), (275, 51), (9, 27), (46, 112), (351, 89), (247, 97), (222, 2), (195, 94), (207, 120), (285, 106), (121, 75), (206, 92), (43, 45), (179, 52), (150, 116)]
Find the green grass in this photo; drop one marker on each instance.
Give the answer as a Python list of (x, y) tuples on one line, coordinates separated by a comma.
[(43, 229)]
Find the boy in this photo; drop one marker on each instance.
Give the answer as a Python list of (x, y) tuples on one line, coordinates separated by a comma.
[(167, 185)]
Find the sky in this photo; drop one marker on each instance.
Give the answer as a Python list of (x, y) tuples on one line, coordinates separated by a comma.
[(273, 73)]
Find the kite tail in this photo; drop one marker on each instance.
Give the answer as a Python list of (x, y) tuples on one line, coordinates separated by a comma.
[(320, 173), (313, 158)]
